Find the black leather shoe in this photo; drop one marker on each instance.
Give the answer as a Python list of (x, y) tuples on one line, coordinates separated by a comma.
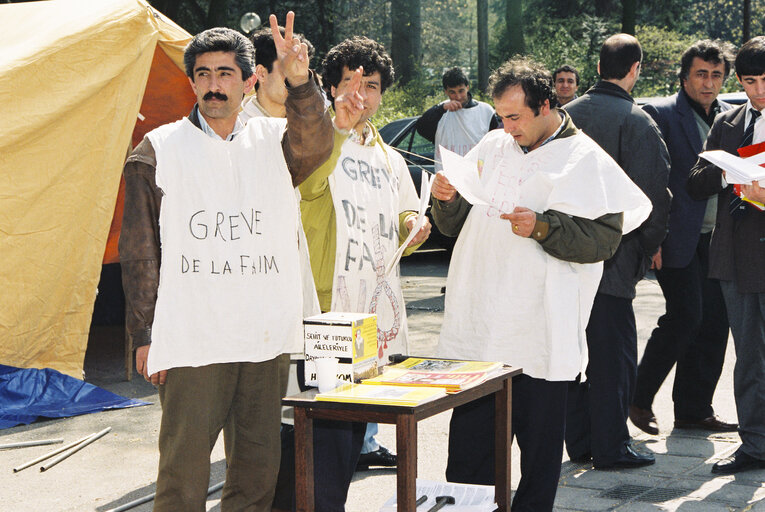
[(379, 457), (739, 461), (581, 459), (630, 458), (713, 423), (644, 420)]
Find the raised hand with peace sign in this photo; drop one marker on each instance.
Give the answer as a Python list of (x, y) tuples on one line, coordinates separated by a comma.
[(291, 53)]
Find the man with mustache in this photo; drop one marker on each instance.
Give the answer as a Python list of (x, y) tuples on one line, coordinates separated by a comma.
[(736, 256), (209, 251)]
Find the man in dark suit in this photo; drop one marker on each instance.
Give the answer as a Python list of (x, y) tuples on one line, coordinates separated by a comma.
[(694, 330), (596, 424), (737, 255)]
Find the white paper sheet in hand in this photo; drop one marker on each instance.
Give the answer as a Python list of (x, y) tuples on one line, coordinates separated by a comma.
[(425, 184), (463, 175), (737, 170)]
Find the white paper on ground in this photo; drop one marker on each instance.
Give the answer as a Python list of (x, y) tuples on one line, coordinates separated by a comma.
[(467, 497), (737, 170), (463, 175), (425, 184)]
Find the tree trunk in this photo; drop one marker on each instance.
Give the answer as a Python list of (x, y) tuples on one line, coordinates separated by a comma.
[(326, 26), (406, 43), (514, 25), (483, 44), (747, 27), (629, 15)]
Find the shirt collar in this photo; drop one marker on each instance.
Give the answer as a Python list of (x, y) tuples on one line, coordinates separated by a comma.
[(554, 135), (238, 126), (713, 110), (749, 108), (365, 139)]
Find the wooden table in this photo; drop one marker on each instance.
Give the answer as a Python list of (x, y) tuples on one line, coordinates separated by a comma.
[(307, 408)]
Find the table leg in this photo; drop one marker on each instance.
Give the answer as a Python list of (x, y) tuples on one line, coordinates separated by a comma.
[(503, 438), (303, 461), (406, 449)]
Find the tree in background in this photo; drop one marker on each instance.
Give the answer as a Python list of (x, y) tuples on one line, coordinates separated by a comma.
[(483, 43), (406, 45)]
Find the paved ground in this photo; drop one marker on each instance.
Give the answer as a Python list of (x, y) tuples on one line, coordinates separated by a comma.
[(122, 466)]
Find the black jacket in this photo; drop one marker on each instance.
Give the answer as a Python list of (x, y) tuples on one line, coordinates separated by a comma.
[(609, 115)]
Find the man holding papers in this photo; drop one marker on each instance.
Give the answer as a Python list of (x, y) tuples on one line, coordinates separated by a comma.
[(737, 255), (525, 270), (357, 208)]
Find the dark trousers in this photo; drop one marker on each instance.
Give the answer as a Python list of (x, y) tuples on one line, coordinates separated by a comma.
[(336, 450), (693, 332), (243, 400), (539, 415), (747, 323), (597, 409)]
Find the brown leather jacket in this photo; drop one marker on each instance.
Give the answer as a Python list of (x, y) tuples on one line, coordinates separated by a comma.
[(307, 143)]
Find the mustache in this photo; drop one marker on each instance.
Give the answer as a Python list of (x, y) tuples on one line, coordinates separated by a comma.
[(215, 95)]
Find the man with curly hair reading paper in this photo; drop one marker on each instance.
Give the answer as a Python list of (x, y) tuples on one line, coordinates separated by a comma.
[(525, 270)]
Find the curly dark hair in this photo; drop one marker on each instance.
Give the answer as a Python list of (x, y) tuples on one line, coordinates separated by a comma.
[(533, 77), (352, 53), (454, 77), (709, 51), (221, 39)]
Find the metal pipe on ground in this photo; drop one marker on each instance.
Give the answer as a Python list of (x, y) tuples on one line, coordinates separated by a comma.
[(150, 497), (76, 448), (51, 454), (24, 444)]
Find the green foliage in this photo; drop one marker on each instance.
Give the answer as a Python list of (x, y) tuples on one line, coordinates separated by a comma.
[(662, 49), (405, 101)]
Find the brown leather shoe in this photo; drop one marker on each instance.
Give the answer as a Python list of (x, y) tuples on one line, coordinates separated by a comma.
[(713, 423), (644, 420)]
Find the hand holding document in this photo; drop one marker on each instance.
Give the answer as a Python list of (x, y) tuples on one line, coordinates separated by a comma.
[(425, 184), (738, 171), (463, 175)]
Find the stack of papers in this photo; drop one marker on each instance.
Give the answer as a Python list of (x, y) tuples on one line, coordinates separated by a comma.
[(468, 498), (383, 395), (738, 171), (451, 375)]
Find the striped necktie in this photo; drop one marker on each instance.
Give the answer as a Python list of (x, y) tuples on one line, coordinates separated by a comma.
[(737, 205)]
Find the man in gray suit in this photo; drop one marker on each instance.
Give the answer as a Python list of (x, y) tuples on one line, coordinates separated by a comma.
[(596, 425), (736, 255), (694, 330)]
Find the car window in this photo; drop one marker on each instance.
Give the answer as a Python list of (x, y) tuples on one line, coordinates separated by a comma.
[(422, 146)]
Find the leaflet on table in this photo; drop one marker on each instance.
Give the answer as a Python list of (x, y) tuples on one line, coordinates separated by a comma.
[(382, 395), (452, 382), (738, 171), (447, 365), (452, 375), (467, 497), (424, 200), (463, 175)]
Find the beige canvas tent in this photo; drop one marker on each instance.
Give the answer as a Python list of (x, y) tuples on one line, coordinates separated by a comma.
[(80, 82)]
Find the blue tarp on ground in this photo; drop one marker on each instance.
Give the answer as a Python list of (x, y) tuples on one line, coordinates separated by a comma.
[(27, 394)]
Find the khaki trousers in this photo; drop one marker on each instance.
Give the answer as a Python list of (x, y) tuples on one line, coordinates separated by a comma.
[(243, 400)]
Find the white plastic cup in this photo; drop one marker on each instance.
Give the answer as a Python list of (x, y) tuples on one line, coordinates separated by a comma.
[(326, 373)]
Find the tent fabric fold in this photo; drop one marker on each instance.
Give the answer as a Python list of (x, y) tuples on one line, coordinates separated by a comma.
[(73, 78)]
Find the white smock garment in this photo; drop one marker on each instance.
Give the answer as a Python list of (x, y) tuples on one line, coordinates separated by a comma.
[(460, 130), (230, 287), (370, 187), (507, 300)]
